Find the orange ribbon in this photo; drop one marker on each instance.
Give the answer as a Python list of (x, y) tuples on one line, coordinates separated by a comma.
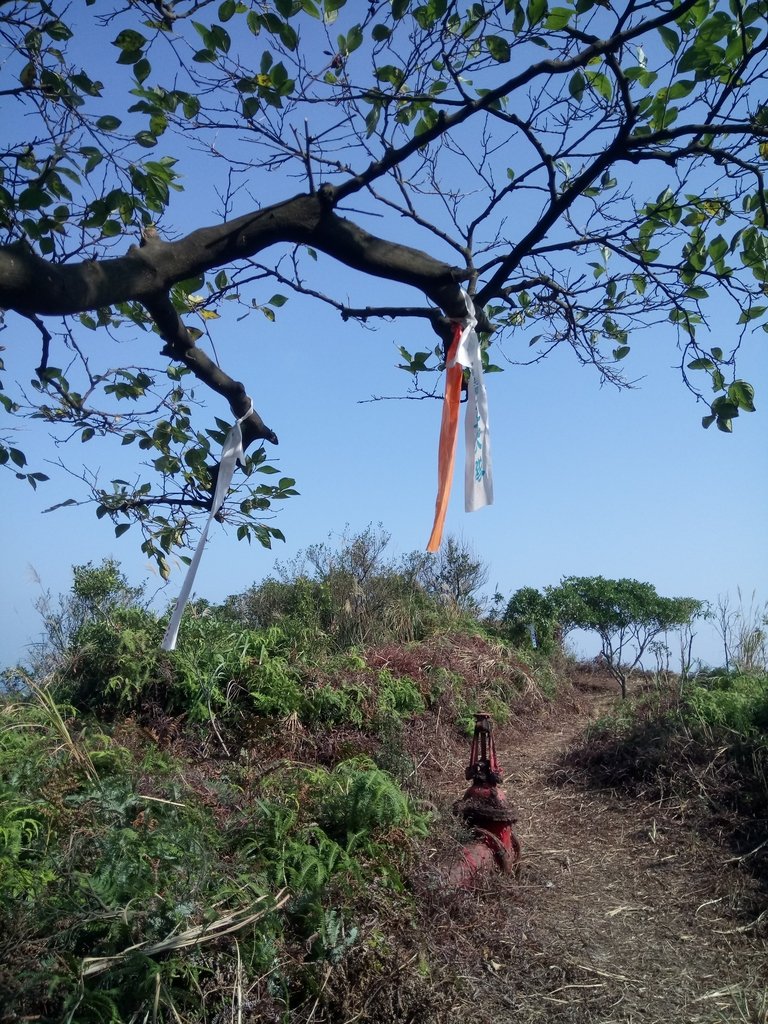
[(449, 429)]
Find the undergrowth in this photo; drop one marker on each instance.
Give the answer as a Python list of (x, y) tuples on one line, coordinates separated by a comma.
[(202, 834), (109, 851), (703, 745)]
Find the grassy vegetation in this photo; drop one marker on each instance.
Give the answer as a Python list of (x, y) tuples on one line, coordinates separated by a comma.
[(702, 744), (239, 829), (197, 834), (110, 848)]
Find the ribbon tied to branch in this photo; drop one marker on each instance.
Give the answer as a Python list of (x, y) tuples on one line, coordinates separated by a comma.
[(231, 454), (463, 354)]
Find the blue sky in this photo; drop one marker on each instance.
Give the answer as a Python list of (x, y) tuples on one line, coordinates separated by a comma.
[(588, 480)]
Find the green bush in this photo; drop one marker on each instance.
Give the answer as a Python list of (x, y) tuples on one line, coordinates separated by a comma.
[(334, 706), (399, 696), (105, 847), (736, 702), (113, 661), (357, 800)]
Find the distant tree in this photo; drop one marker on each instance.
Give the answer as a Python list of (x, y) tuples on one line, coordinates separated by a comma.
[(454, 575), (531, 620), (627, 616), (97, 591), (582, 171)]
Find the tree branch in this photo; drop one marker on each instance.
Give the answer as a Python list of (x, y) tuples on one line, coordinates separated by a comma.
[(180, 346)]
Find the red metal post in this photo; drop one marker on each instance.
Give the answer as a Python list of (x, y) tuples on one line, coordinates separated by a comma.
[(485, 810)]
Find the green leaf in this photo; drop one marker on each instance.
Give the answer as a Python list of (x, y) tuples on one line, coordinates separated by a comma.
[(499, 49), (277, 300), (600, 83), (681, 88), (146, 139), (536, 11), (108, 123), (354, 38), (129, 39), (251, 107), (380, 33), (58, 30), (558, 18), (742, 395), (670, 39), (621, 352), (701, 364), (576, 85), (718, 247), (121, 529), (754, 313), (141, 69)]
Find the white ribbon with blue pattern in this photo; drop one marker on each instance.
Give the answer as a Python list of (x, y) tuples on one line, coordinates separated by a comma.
[(231, 454), (478, 471)]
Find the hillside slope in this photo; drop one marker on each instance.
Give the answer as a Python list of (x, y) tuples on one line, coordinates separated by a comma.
[(145, 828)]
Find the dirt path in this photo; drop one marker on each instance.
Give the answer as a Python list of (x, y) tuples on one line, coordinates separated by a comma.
[(621, 912)]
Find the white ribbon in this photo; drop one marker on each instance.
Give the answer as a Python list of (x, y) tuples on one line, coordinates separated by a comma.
[(231, 454), (478, 471)]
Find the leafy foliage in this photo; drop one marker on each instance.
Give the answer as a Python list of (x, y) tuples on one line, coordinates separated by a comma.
[(97, 863), (702, 745), (627, 616), (530, 620), (346, 593), (733, 701), (610, 179), (151, 797)]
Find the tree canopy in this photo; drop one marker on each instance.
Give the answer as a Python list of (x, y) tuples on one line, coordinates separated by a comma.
[(626, 614), (584, 171)]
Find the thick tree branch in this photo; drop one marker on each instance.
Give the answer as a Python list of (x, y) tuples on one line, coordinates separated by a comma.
[(31, 285), (180, 346)]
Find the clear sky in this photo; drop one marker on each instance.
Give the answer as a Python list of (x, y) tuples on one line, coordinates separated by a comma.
[(588, 480)]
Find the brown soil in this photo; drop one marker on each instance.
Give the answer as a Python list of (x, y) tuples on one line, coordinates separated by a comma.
[(622, 912)]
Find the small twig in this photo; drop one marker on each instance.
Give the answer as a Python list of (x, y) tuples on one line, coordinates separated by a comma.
[(159, 800), (744, 927), (216, 729), (191, 937), (47, 338), (599, 984), (738, 860), (308, 159)]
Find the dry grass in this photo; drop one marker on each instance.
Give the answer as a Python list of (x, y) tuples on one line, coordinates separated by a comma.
[(621, 913)]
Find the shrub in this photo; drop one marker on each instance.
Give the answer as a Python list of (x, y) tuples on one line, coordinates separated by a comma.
[(399, 696), (357, 800), (737, 702)]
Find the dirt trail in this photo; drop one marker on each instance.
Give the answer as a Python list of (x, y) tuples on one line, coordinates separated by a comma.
[(621, 912)]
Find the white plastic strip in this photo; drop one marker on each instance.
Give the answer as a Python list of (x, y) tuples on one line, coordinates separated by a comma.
[(478, 470), (231, 454)]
